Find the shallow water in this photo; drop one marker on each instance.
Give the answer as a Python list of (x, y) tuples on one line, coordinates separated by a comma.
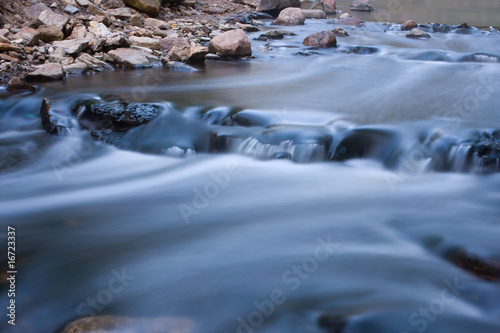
[(218, 237)]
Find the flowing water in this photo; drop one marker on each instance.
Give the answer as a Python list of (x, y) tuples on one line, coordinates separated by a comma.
[(276, 225)]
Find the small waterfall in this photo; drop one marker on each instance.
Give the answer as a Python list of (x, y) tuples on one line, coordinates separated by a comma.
[(459, 158)]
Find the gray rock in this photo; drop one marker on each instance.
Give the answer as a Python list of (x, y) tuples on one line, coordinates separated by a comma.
[(48, 17), (340, 32), (312, 4), (72, 46), (290, 16), (136, 20), (133, 58), (30, 36), (231, 44), (70, 9), (314, 14), (154, 23), (349, 21), (83, 3), (34, 11), (274, 7), (418, 34), (344, 16), (78, 68), (150, 7), (93, 62), (150, 43), (47, 72), (99, 29), (121, 13)]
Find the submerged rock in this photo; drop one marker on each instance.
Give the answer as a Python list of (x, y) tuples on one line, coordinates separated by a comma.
[(273, 34), (290, 16), (348, 21), (231, 44), (418, 34), (324, 38)]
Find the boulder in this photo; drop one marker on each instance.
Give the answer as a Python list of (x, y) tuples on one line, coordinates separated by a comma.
[(132, 58), (361, 5), (231, 44), (348, 21), (72, 46), (169, 42), (48, 17), (408, 25), (30, 36), (312, 4), (47, 72), (340, 32), (50, 33), (150, 7), (314, 14), (321, 39), (54, 121), (418, 34), (154, 23), (150, 43), (290, 16), (34, 11), (330, 7), (274, 7)]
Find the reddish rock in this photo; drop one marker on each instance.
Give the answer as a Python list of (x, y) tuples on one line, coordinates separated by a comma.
[(47, 72), (361, 5), (15, 84), (150, 7), (340, 32), (408, 25), (330, 7), (290, 16), (231, 44), (321, 39), (168, 43), (30, 36)]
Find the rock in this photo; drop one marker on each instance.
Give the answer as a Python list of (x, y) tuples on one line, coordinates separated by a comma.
[(408, 25), (72, 46), (321, 39), (116, 324), (361, 5), (150, 7), (314, 14), (50, 33), (340, 32), (132, 58), (417, 33), (15, 84), (444, 28), (274, 7), (99, 29), (47, 72), (349, 21), (83, 3), (188, 54), (115, 41), (79, 32), (273, 34), (71, 9), (154, 23), (121, 13), (290, 16), (119, 115), (48, 17), (54, 121), (146, 42), (247, 27), (94, 10), (30, 36), (111, 4), (344, 16), (312, 4), (330, 7), (136, 20), (169, 42), (231, 44), (33, 12), (5, 47), (93, 62), (76, 68)]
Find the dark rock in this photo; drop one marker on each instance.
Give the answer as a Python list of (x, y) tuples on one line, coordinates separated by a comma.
[(281, 156), (363, 50), (274, 7), (444, 28), (340, 32), (324, 38), (273, 34), (118, 115), (290, 16), (333, 323), (16, 84), (54, 121), (307, 53), (486, 269)]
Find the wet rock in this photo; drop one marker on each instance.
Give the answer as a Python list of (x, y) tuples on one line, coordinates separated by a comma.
[(464, 29), (361, 5), (72, 46), (54, 120), (290, 16), (70, 9), (418, 34), (274, 7), (443, 28), (333, 323), (50, 33), (312, 4), (330, 6), (307, 53), (119, 115), (349, 21), (340, 32), (231, 44), (146, 42), (48, 17), (150, 7), (324, 38), (34, 11), (132, 58), (16, 84), (486, 269), (5, 47), (409, 25), (47, 72), (168, 43), (154, 23), (362, 50), (136, 20), (30, 36), (273, 34), (247, 27), (314, 14)]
